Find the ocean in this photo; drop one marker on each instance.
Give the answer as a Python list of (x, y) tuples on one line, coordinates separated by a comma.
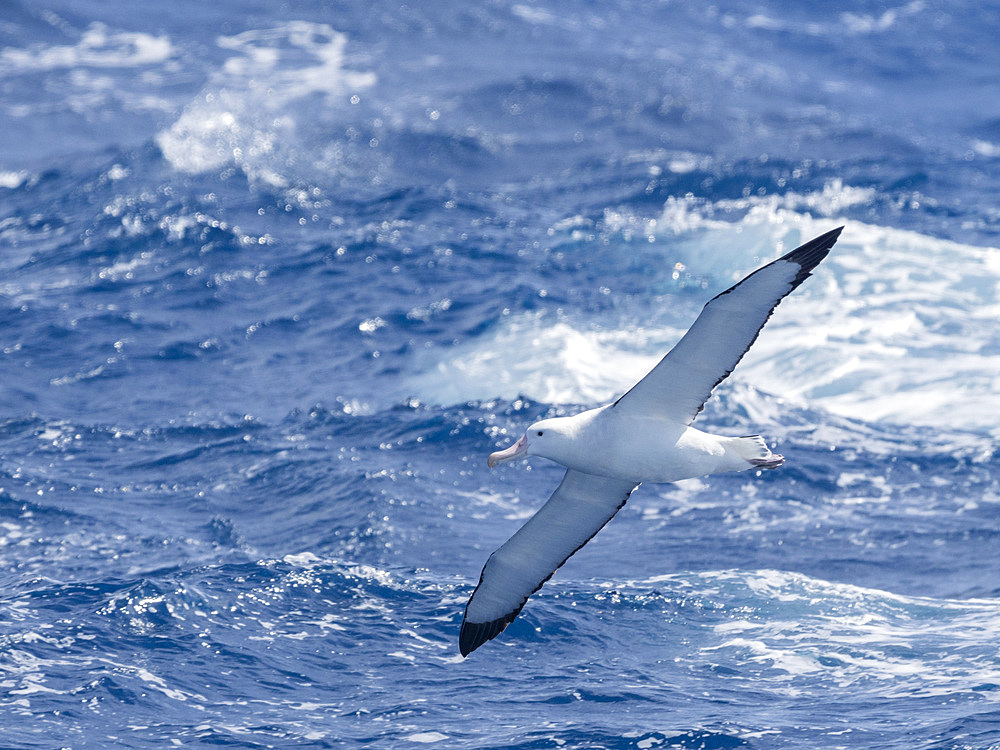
[(275, 278)]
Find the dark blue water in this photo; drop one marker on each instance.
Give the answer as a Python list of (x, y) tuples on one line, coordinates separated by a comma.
[(275, 279)]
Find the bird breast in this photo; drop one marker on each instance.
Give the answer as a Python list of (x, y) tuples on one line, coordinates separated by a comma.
[(650, 450)]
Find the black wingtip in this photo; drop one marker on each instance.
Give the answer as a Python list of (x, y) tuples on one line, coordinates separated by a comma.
[(475, 634), (809, 255)]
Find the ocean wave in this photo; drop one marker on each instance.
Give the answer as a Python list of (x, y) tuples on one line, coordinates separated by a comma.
[(247, 115), (876, 299), (857, 638), (275, 283)]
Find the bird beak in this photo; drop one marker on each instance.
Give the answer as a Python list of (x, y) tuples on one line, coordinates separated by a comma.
[(517, 450)]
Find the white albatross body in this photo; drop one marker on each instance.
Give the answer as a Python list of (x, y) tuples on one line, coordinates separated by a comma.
[(611, 442), (644, 436)]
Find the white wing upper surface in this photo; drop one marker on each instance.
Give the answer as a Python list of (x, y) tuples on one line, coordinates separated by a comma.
[(678, 387), (577, 510)]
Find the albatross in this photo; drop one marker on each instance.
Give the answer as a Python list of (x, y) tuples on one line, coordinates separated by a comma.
[(644, 436)]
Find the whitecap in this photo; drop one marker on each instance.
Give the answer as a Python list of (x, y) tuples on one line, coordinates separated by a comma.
[(552, 362), (244, 117), (426, 737), (895, 325), (12, 180), (839, 634), (98, 47)]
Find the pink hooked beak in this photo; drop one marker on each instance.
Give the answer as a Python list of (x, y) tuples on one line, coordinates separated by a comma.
[(517, 450)]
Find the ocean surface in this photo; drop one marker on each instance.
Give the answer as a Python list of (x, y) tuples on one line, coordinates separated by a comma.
[(275, 278)]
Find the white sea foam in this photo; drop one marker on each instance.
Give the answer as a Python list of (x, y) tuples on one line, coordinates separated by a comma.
[(551, 362), (426, 737), (13, 180), (102, 69), (848, 635), (98, 47), (856, 24), (893, 326), (243, 116)]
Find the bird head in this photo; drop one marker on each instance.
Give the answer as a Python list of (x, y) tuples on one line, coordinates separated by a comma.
[(549, 438)]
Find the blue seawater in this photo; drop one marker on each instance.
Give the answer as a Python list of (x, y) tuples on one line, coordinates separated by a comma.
[(276, 277)]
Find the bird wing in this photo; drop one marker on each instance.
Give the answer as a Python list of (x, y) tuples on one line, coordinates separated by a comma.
[(678, 387), (577, 510)]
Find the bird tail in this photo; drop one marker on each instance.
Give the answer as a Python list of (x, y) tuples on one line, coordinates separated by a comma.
[(753, 450)]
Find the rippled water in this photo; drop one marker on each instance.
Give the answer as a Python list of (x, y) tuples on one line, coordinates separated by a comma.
[(275, 280)]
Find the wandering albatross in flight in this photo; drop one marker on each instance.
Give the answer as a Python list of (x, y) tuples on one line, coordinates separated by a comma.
[(644, 436)]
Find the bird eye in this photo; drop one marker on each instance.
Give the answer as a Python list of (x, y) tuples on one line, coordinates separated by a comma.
[(539, 433)]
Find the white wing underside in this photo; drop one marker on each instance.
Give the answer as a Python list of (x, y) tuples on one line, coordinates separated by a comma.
[(577, 510), (678, 387)]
